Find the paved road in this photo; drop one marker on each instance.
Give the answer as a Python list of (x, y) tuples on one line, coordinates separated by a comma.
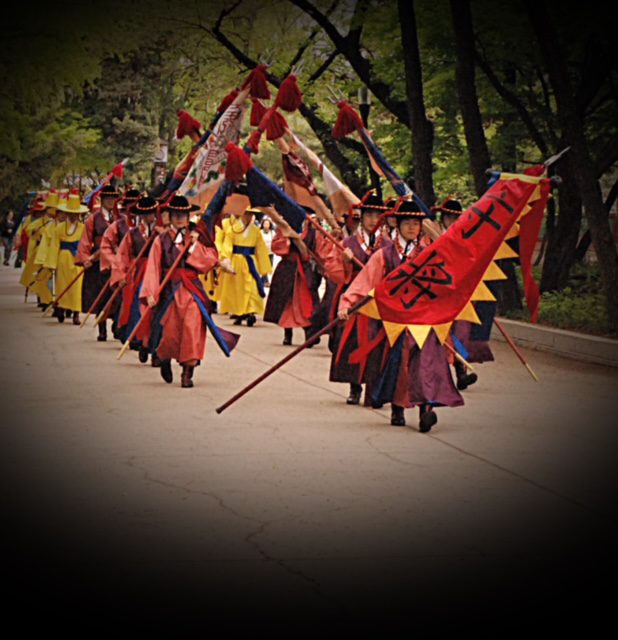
[(127, 494)]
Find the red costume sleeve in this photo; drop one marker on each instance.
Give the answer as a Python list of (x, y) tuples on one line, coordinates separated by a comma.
[(124, 257), (280, 244), (86, 243), (109, 246), (152, 274), (331, 257), (203, 258), (369, 277)]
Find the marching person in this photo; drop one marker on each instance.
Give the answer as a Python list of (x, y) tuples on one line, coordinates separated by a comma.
[(30, 238), (8, 228), (89, 254), (361, 245), (61, 256), (128, 274), (408, 376), (243, 256), (183, 330), (293, 298)]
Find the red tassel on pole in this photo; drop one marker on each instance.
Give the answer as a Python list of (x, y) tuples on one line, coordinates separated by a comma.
[(257, 112), (258, 87), (290, 96), (227, 101), (348, 121), (187, 124), (276, 126), (254, 141), (238, 163)]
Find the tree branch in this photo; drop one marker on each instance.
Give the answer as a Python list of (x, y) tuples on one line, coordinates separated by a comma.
[(350, 49)]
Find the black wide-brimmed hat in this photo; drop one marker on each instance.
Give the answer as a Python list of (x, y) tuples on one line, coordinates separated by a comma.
[(407, 209), (144, 206), (108, 192), (370, 203), (179, 205), (131, 195), (450, 206)]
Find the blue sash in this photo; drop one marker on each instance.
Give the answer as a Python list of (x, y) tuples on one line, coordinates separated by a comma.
[(248, 252), (69, 246), (225, 339)]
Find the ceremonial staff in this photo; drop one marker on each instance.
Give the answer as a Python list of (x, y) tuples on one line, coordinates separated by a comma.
[(148, 310), (98, 299), (103, 315)]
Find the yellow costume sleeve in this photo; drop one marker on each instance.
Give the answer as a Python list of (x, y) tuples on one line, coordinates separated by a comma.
[(261, 255)]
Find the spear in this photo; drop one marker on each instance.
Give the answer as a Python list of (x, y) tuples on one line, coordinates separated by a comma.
[(162, 286), (515, 349), (75, 279), (104, 288), (291, 355), (108, 306)]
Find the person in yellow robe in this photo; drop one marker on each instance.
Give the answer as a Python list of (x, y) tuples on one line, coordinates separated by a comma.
[(32, 235), (244, 260), (61, 256)]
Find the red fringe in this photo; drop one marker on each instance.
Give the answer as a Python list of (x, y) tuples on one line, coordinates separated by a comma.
[(254, 141), (258, 87), (257, 112), (276, 126), (238, 163), (186, 125), (227, 101), (348, 121), (290, 96)]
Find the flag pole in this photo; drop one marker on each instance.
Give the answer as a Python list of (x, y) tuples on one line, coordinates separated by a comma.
[(290, 355), (54, 304), (515, 349), (108, 306), (104, 288)]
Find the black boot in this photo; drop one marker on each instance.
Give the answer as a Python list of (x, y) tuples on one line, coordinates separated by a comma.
[(355, 393), (58, 313), (76, 317), (427, 418), (187, 375), (287, 336), (155, 361), (251, 319), (166, 371), (143, 354), (397, 416), (464, 380), (102, 337), (237, 320)]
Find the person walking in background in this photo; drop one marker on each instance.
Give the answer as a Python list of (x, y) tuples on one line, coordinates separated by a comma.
[(8, 227), (268, 233)]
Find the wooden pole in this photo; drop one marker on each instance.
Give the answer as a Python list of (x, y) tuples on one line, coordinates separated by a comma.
[(515, 349), (98, 299), (290, 355)]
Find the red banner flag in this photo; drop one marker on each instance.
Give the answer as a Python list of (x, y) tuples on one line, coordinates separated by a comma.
[(437, 287)]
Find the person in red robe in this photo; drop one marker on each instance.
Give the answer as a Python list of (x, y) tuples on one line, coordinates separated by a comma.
[(405, 375), (293, 298), (128, 272), (97, 266), (183, 330), (361, 245)]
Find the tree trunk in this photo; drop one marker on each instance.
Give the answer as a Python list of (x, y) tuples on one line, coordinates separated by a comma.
[(468, 99), (573, 133), (560, 252), (422, 128)]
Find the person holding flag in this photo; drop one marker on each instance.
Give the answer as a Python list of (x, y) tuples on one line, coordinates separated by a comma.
[(293, 299), (360, 247), (90, 255), (404, 375), (183, 330)]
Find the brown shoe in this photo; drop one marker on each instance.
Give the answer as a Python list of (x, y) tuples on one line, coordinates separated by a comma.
[(185, 378)]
